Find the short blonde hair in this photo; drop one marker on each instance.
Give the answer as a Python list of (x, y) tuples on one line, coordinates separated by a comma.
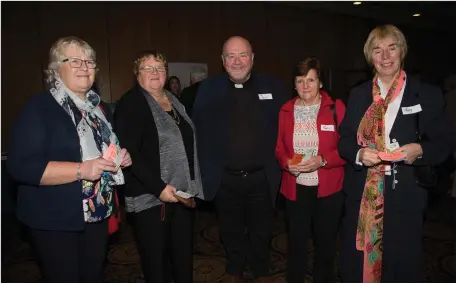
[(145, 55), (57, 54), (382, 32)]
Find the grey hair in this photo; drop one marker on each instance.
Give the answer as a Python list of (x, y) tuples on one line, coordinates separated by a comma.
[(57, 54), (198, 73)]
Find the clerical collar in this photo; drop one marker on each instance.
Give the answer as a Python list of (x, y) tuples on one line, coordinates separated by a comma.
[(245, 84)]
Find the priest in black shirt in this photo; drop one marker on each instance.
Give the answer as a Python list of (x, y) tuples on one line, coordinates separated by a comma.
[(236, 120)]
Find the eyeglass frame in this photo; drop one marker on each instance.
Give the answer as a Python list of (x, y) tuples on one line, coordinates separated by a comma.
[(150, 69), (86, 62)]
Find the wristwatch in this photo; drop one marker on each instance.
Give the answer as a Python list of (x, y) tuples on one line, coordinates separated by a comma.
[(323, 161)]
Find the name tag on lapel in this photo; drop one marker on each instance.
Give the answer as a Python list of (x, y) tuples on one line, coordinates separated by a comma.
[(411, 109), (327, 128), (264, 96)]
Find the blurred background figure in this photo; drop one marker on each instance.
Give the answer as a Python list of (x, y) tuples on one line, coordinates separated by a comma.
[(188, 94), (174, 86)]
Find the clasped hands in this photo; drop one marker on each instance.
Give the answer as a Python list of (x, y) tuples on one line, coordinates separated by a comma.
[(369, 157), (306, 166), (92, 170)]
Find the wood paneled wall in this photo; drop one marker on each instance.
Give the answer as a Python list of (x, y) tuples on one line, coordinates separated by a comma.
[(191, 32)]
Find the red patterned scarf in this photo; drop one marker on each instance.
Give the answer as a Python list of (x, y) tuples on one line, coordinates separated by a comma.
[(371, 133)]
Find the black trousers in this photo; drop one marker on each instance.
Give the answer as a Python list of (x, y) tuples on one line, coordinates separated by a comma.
[(402, 246), (325, 214), (164, 238), (245, 217), (72, 257)]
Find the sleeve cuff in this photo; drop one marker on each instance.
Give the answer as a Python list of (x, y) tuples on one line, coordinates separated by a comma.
[(357, 159)]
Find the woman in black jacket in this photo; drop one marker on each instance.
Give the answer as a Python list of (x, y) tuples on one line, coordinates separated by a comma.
[(164, 179), (380, 137)]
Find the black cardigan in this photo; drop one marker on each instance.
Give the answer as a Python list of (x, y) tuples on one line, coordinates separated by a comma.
[(137, 132), (42, 133)]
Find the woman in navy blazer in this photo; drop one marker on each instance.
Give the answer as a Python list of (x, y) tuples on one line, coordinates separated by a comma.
[(66, 188), (383, 221)]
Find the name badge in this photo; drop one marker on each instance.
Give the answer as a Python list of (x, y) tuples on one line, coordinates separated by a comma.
[(411, 109), (264, 96), (392, 146), (327, 128)]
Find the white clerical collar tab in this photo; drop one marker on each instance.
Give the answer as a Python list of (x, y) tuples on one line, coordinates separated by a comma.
[(238, 86)]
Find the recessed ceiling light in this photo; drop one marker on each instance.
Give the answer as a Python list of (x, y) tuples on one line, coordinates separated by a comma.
[(357, 3), (416, 15)]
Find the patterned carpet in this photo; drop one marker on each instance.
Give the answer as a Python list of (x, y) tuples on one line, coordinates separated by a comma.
[(123, 263)]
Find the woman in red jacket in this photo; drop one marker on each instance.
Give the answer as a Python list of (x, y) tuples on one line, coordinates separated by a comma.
[(312, 172)]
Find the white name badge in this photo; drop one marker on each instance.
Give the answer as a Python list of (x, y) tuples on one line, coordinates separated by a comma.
[(327, 128), (392, 146), (411, 109), (264, 96)]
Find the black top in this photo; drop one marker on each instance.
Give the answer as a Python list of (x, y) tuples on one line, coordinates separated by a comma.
[(244, 148), (187, 137), (211, 115), (187, 97)]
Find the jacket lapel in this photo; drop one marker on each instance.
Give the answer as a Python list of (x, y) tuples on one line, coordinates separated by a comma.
[(409, 98)]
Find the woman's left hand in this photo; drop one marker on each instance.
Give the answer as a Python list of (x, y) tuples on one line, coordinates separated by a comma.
[(126, 158), (310, 165), (411, 152)]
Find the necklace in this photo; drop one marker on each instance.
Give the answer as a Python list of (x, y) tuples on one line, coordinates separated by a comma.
[(164, 98), (174, 115)]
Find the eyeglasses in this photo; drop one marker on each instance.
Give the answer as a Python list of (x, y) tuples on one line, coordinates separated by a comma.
[(149, 69), (232, 56), (77, 63)]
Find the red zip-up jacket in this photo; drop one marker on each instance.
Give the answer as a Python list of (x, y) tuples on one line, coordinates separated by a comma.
[(330, 177)]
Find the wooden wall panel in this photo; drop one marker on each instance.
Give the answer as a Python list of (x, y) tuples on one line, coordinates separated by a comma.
[(195, 34), (281, 35), (22, 75), (129, 29), (277, 37), (160, 17), (84, 20), (247, 20)]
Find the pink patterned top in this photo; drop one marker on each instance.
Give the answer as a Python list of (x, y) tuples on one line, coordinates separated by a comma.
[(305, 139)]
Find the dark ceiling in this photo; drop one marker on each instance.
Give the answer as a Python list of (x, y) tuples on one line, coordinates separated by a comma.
[(436, 15)]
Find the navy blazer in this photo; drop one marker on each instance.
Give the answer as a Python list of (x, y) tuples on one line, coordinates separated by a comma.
[(407, 196), (210, 117), (42, 133)]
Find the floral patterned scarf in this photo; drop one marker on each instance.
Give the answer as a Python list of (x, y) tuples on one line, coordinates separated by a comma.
[(95, 135), (371, 133)]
